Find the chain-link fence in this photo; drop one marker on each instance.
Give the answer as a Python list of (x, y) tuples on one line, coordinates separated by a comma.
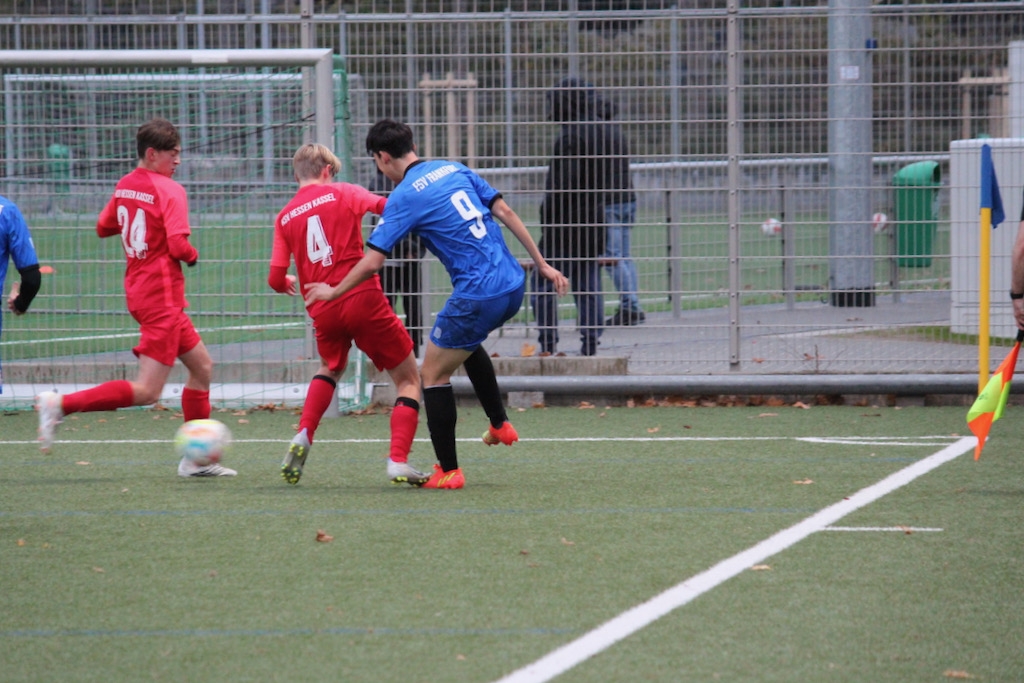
[(798, 206)]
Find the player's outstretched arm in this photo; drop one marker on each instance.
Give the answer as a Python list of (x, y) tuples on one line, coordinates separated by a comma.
[(503, 212), (23, 292), (363, 270)]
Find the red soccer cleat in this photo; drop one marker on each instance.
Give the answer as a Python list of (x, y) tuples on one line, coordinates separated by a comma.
[(440, 479), (506, 435)]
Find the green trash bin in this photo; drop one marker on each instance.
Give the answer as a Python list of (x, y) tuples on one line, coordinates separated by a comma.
[(917, 212), (59, 159)]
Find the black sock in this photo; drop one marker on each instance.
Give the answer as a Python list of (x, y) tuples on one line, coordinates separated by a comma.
[(439, 404), (480, 371)]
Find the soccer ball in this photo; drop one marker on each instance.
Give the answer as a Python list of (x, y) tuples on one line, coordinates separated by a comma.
[(771, 227), (879, 222), (202, 442)]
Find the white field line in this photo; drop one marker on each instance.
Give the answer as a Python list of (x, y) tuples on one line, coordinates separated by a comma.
[(919, 441), (903, 529), (631, 621), (127, 335)]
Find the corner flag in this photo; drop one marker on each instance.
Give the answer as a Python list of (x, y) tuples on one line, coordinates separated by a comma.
[(989, 405), (990, 198), (992, 215)]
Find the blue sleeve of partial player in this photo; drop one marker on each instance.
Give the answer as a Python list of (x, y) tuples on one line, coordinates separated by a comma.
[(20, 246)]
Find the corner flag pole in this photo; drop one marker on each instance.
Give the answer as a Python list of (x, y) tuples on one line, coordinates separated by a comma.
[(991, 216)]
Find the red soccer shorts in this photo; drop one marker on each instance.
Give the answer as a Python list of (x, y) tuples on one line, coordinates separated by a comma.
[(366, 319), (164, 334)]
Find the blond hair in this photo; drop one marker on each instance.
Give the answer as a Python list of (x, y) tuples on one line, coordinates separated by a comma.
[(310, 159)]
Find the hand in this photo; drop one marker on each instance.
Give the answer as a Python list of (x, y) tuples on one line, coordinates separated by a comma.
[(560, 282), (318, 291), (15, 289), (289, 285)]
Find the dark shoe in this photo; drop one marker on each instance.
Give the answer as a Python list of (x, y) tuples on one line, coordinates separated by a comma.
[(625, 318), (589, 348)]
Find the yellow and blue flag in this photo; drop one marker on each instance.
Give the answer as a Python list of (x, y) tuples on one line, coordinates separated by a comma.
[(990, 198)]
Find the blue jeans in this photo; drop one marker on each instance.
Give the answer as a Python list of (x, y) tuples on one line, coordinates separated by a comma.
[(585, 278), (619, 219)]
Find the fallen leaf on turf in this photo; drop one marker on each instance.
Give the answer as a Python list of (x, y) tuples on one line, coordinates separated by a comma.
[(461, 658), (630, 403), (101, 420), (768, 415), (243, 422), (524, 552), (956, 674), (212, 574), (653, 430), (21, 542), (761, 568), (323, 537), (99, 570), (801, 404), (804, 481), (83, 462), (567, 542), (586, 405)]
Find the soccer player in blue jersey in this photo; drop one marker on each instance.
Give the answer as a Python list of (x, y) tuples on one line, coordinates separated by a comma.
[(16, 244), (453, 211)]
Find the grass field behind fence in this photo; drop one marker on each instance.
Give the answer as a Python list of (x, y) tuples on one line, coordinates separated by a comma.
[(80, 309), (116, 569)]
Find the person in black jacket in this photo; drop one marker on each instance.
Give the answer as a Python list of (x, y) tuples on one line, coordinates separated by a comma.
[(400, 276), (619, 216), (572, 213)]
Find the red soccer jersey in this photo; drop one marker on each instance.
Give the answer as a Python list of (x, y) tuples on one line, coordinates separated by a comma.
[(322, 228), (150, 212)]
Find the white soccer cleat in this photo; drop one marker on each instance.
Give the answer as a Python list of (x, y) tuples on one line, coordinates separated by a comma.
[(186, 468), (295, 458), (404, 473), (51, 413)]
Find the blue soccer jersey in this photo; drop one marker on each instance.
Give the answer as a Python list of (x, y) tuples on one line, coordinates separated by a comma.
[(15, 244), (448, 206)]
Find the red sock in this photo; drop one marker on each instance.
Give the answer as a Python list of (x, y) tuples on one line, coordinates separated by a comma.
[(107, 396), (195, 404), (318, 398), (404, 419)]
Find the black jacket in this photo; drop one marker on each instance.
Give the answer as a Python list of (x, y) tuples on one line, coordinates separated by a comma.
[(572, 213)]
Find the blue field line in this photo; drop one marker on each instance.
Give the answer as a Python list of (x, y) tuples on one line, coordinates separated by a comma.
[(329, 631), (689, 510)]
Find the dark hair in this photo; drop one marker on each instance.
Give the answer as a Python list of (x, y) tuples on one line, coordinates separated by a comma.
[(389, 136), (160, 134)]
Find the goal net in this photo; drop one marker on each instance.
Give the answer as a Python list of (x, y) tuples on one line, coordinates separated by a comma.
[(69, 122)]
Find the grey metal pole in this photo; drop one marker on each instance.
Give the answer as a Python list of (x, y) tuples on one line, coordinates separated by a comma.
[(734, 146), (851, 266), (675, 200)]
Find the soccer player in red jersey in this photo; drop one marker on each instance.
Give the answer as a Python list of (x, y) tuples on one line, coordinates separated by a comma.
[(321, 227), (149, 211)]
